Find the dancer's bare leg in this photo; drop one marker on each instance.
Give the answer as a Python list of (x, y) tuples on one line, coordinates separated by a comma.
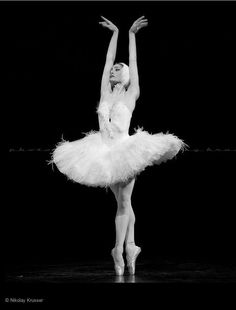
[(130, 246), (115, 189), (122, 192), (129, 238)]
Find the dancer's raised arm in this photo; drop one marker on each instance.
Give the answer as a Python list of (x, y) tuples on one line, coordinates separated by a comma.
[(111, 53), (133, 69)]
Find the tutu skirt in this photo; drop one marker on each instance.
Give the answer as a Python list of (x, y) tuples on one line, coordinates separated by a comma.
[(92, 162)]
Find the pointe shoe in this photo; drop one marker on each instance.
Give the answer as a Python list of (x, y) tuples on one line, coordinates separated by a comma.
[(132, 260), (119, 269)]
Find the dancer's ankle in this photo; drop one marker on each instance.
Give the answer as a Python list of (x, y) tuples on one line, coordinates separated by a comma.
[(118, 248), (130, 244)]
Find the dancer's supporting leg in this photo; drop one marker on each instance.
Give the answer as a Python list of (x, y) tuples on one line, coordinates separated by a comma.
[(124, 221)]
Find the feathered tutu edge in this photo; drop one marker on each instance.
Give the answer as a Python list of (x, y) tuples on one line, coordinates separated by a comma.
[(90, 162)]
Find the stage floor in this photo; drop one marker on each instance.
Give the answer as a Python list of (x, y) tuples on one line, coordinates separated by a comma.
[(149, 271)]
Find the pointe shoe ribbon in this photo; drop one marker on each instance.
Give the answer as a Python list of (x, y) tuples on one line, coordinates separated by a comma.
[(132, 260), (119, 269)]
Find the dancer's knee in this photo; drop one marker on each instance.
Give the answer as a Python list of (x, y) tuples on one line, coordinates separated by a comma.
[(123, 207), (124, 201)]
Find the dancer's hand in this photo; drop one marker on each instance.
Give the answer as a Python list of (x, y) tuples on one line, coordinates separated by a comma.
[(108, 24), (138, 24)]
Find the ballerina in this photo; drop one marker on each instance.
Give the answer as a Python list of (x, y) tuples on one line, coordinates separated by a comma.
[(110, 157)]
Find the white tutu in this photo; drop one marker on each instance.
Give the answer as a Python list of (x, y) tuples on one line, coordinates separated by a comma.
[(92, 162), (102, 159)]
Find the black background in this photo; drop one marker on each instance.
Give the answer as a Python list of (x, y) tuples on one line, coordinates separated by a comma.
[(184, 208)]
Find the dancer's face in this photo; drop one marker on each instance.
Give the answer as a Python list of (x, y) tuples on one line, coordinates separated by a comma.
[(116, 73)]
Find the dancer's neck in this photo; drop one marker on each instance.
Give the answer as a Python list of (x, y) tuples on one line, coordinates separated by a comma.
[(118, 88)]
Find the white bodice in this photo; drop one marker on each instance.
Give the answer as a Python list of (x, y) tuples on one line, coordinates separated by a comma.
[(117, 116)]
